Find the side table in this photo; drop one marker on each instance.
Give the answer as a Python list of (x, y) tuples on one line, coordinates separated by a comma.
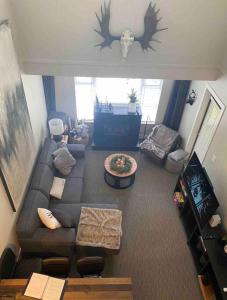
[(64, 139), (78, 140)]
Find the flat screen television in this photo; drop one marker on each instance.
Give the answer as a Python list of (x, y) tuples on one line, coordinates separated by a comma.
[(203, 197)]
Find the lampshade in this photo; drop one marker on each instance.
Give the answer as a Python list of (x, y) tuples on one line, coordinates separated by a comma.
[(56, 126)]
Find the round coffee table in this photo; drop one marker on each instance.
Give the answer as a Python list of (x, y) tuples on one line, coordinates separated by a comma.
[(116, 180)]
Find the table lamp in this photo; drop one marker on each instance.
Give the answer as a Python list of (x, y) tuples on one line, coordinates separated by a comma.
[(56, 128)]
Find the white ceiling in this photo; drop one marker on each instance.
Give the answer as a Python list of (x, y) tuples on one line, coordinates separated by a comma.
[(57, 37)]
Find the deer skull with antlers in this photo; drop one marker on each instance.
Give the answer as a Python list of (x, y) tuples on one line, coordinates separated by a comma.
[(127, 38)]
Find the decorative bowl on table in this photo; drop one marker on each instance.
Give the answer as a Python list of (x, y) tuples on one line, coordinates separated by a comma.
[(120, 164)]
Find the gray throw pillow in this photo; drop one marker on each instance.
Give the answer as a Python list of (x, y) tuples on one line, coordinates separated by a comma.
[(63, 160), (65, 219)]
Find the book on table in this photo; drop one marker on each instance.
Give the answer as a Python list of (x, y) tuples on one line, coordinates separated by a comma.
[(45, 287)]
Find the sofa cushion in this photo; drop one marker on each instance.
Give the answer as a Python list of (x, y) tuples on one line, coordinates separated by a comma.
[(48, 148), (78, 169), (29, 220), (74, 210), (73, 191), (64, 218), (42, 179), (77, 150)]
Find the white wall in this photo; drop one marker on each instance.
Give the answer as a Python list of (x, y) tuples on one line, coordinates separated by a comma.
[(33, 88), (216, 169), (65, 95), (36, 105), (189, 127), (57, 38)]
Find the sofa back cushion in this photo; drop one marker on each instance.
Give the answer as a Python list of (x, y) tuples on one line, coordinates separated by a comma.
[(42, 179), (28, 219), (48, 148)]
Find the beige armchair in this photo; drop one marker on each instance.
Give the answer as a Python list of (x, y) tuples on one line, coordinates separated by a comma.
[(160, 142)]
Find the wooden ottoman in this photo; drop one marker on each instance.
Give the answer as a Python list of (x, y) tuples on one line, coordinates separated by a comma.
[(100, 228)]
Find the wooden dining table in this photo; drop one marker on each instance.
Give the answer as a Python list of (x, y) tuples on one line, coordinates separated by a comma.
[(76, 289)]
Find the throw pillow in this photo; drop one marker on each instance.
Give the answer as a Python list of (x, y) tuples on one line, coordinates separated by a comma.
[(57, 187), (64, 218), (59, 150), (63, 160), (48, 219)]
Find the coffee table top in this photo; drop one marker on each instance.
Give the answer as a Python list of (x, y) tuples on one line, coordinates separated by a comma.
[(122, 175)]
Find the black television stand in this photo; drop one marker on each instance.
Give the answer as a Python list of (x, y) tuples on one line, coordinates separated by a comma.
[(206, 247)]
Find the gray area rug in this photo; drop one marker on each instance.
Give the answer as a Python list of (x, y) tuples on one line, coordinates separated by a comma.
[(154, 251)]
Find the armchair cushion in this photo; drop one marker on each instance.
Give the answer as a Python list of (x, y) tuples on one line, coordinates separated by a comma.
[(160, 142), (163, 136)]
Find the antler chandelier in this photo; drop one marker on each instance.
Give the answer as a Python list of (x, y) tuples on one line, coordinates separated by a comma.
[(127, 37)]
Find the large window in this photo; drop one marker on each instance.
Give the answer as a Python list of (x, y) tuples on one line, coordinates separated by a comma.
[(116, 90)]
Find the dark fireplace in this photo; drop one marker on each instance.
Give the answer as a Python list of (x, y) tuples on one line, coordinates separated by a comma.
[(116, 129)]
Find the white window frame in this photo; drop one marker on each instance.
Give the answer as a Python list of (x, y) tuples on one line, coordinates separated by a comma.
[(143, 85), (92, 84)]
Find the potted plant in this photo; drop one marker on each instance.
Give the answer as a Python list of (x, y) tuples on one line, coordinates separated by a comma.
[(132, 103)]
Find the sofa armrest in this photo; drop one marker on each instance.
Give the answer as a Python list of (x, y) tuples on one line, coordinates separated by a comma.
[(58, 237), (56, 242), (77, 150), (29, 221)]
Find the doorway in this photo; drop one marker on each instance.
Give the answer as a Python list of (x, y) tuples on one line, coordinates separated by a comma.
[(209, 124)]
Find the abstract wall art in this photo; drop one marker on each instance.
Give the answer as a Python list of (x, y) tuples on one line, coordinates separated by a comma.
[(16, 136)]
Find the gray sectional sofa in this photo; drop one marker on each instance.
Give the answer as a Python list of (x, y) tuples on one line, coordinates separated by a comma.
[(33, 237)]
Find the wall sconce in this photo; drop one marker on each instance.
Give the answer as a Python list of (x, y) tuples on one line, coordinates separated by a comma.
[(191, 97)]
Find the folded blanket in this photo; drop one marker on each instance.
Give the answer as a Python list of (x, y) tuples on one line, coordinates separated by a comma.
[(99, 227)]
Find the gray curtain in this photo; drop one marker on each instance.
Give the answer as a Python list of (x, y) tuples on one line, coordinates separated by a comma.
[(176, 104), (49, 91)]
